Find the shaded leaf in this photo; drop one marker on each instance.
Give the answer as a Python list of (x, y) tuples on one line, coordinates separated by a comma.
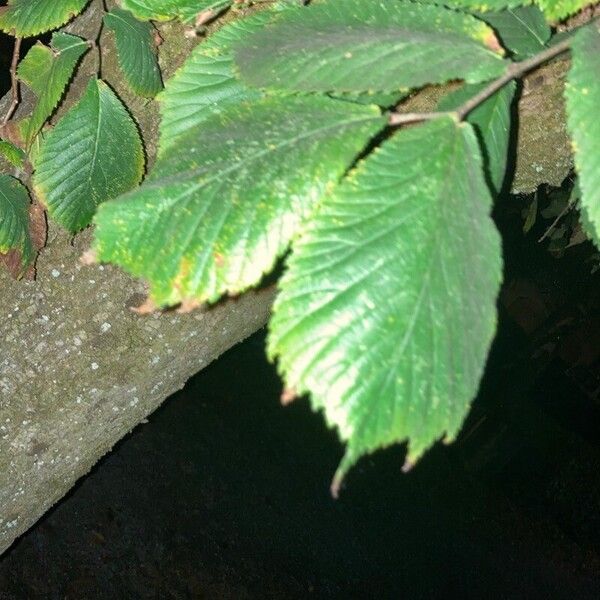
[(492, 122), (24, 18), (357, 46), (47, 72), (522, 30), (583, 102), (136, 50), (15, 241), (388, 306), (224, 202), (93, 154)]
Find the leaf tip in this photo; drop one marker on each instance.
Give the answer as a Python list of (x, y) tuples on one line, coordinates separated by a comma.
[(146, 308), (288, 395), (188, 305), (89, 257)]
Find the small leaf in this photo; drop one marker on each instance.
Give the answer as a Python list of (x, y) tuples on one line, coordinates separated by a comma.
[(387, 309), (15, 241), (206, 84), (491, 120), (163, 10), (13, 154), (93, 154), (47, 72), (357, 46), (136, 50), (224, 202), (25, 18), (523, 30), (583, 102)]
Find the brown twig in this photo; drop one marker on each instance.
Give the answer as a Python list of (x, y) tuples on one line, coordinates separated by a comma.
[(514, 71), (14, 82)]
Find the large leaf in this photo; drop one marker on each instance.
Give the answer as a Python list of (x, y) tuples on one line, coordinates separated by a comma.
[(491, 120), (556, 10), (523, 30), (136, 49), (24, 18), (352, 45), (14, 222), (47, 72), (583, 104), (387, 309), (206, 83), (93, 154), (163, 10), (224, 202)]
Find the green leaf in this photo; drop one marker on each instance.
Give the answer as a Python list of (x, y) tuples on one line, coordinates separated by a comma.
[(480, 5), (491, 120), (163, 10), (387, 309), (13, 154), (357, 46), (47, 72), (24, 18), (583, 102), (136, 50), (14, 221), (224, 202), (522, 30), (557, 10), (93, 154), (206, 84)]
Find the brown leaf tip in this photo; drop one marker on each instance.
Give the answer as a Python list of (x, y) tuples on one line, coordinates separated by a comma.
[(88, 258), (288, 396), (146, 308)]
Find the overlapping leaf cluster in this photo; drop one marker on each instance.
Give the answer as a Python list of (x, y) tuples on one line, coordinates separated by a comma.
[(274, 141)]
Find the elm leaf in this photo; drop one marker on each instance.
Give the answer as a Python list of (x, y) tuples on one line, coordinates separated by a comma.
[(491, 121), (47, 72), (522, 30), (357, 46), (163, 10), (583, 100), (25, 18), (206, 83), (222, 205), (93, 154), (387, 309), (14, 223), (136, 50)]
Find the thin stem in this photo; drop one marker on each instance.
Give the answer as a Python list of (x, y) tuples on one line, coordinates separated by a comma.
[(14, 82), (514, 71), (404, 118)]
